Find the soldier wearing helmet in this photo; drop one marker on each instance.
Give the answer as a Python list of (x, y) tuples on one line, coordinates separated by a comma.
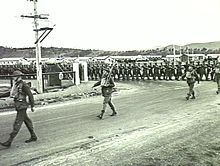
[(217, 77), (20, 90), (107, 84), (191, 77)]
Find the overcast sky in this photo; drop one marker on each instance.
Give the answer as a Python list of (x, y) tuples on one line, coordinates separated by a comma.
[(112, 24)]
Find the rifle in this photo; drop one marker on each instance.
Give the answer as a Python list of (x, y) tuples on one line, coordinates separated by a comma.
[(104, 82)]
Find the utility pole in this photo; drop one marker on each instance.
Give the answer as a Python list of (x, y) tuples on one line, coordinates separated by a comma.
[(38, 52), (38, 40)]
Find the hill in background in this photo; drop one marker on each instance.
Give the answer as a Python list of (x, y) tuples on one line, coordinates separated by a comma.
[(50, 52), (208, 45)]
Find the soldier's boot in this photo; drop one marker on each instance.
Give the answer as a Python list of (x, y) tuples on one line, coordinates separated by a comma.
[(114, 113), (7, 143), (100, 116), (187, 97), (33, 138), (193, 96)]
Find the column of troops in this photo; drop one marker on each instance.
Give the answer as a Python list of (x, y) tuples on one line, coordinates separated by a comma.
[(152, 70), (25, 69), (7, 70)]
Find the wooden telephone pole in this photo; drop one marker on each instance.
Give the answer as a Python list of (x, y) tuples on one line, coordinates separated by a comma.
[(38, 40)]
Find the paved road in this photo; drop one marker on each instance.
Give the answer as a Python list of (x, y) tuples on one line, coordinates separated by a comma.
[(155, 126)]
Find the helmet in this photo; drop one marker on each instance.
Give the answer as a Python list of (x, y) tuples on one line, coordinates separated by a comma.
[(17, 73), (190, 68)]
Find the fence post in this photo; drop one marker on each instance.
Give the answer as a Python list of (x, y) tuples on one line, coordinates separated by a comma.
[(76, 70)]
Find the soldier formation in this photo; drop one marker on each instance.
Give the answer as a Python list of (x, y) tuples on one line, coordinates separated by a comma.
[(153, 70), (189, 71), (106, 74)]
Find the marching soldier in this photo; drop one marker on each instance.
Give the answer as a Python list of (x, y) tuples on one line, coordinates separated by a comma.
[(151, 73), (120, 69), (200, 70), (107, 84), (168, 72), (156, 71), (191, 77), (162, 70), (138, 71), (179, 71), (125, 68), (207, 70), (217, 77), (133, 71), (212, 73), (19, 92), (116, 69), (146, 72), (130, 71)]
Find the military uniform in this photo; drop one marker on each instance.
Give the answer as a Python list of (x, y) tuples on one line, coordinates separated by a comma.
[(19, 92), (212, 73), (191, 77), (107, 84), (217, 77)]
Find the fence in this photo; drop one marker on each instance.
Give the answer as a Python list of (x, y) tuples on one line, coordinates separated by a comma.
[(70, 75)]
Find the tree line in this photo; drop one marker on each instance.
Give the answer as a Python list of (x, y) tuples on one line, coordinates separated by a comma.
[(29, 52)]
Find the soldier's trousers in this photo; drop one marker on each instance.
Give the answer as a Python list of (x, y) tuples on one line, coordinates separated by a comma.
[(191, 91), (108, 100), (218, 81), (20, 118)]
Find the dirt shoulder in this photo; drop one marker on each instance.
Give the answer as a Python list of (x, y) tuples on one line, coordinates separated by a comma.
[(56, 95)]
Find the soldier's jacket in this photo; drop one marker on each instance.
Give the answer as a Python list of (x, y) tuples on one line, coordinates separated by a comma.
[(191, 76), (20, 92), (107, 87)]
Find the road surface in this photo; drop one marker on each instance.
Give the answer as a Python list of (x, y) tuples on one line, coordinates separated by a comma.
[(156, 126)]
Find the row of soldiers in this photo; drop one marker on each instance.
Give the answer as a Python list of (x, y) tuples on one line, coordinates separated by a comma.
[(31, 69), (127, 71), (152, 70)]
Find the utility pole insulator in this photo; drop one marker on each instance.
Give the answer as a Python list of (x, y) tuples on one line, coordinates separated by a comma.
[(35, 16), (43, 29)]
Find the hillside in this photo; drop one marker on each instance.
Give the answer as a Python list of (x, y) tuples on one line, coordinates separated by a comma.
[(202, 48), (208, 45)]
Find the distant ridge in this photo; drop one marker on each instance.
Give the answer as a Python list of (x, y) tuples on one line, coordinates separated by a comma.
[(207, 45), (50, 52)]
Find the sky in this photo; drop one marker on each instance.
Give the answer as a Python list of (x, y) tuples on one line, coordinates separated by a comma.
[(113, 25)]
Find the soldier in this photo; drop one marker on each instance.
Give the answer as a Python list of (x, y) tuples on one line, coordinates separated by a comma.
[(145, 71), (138, 71), (120, 69), (178, 72), (206, 70), (19, 92), (156, 71), (150, 66), (126, 74), (191, 77), (116, 71), (212, 73), (133, 71), (162, 70), (130, 71), (168, 71), (200, 70), (217, 77), (107, 84)]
